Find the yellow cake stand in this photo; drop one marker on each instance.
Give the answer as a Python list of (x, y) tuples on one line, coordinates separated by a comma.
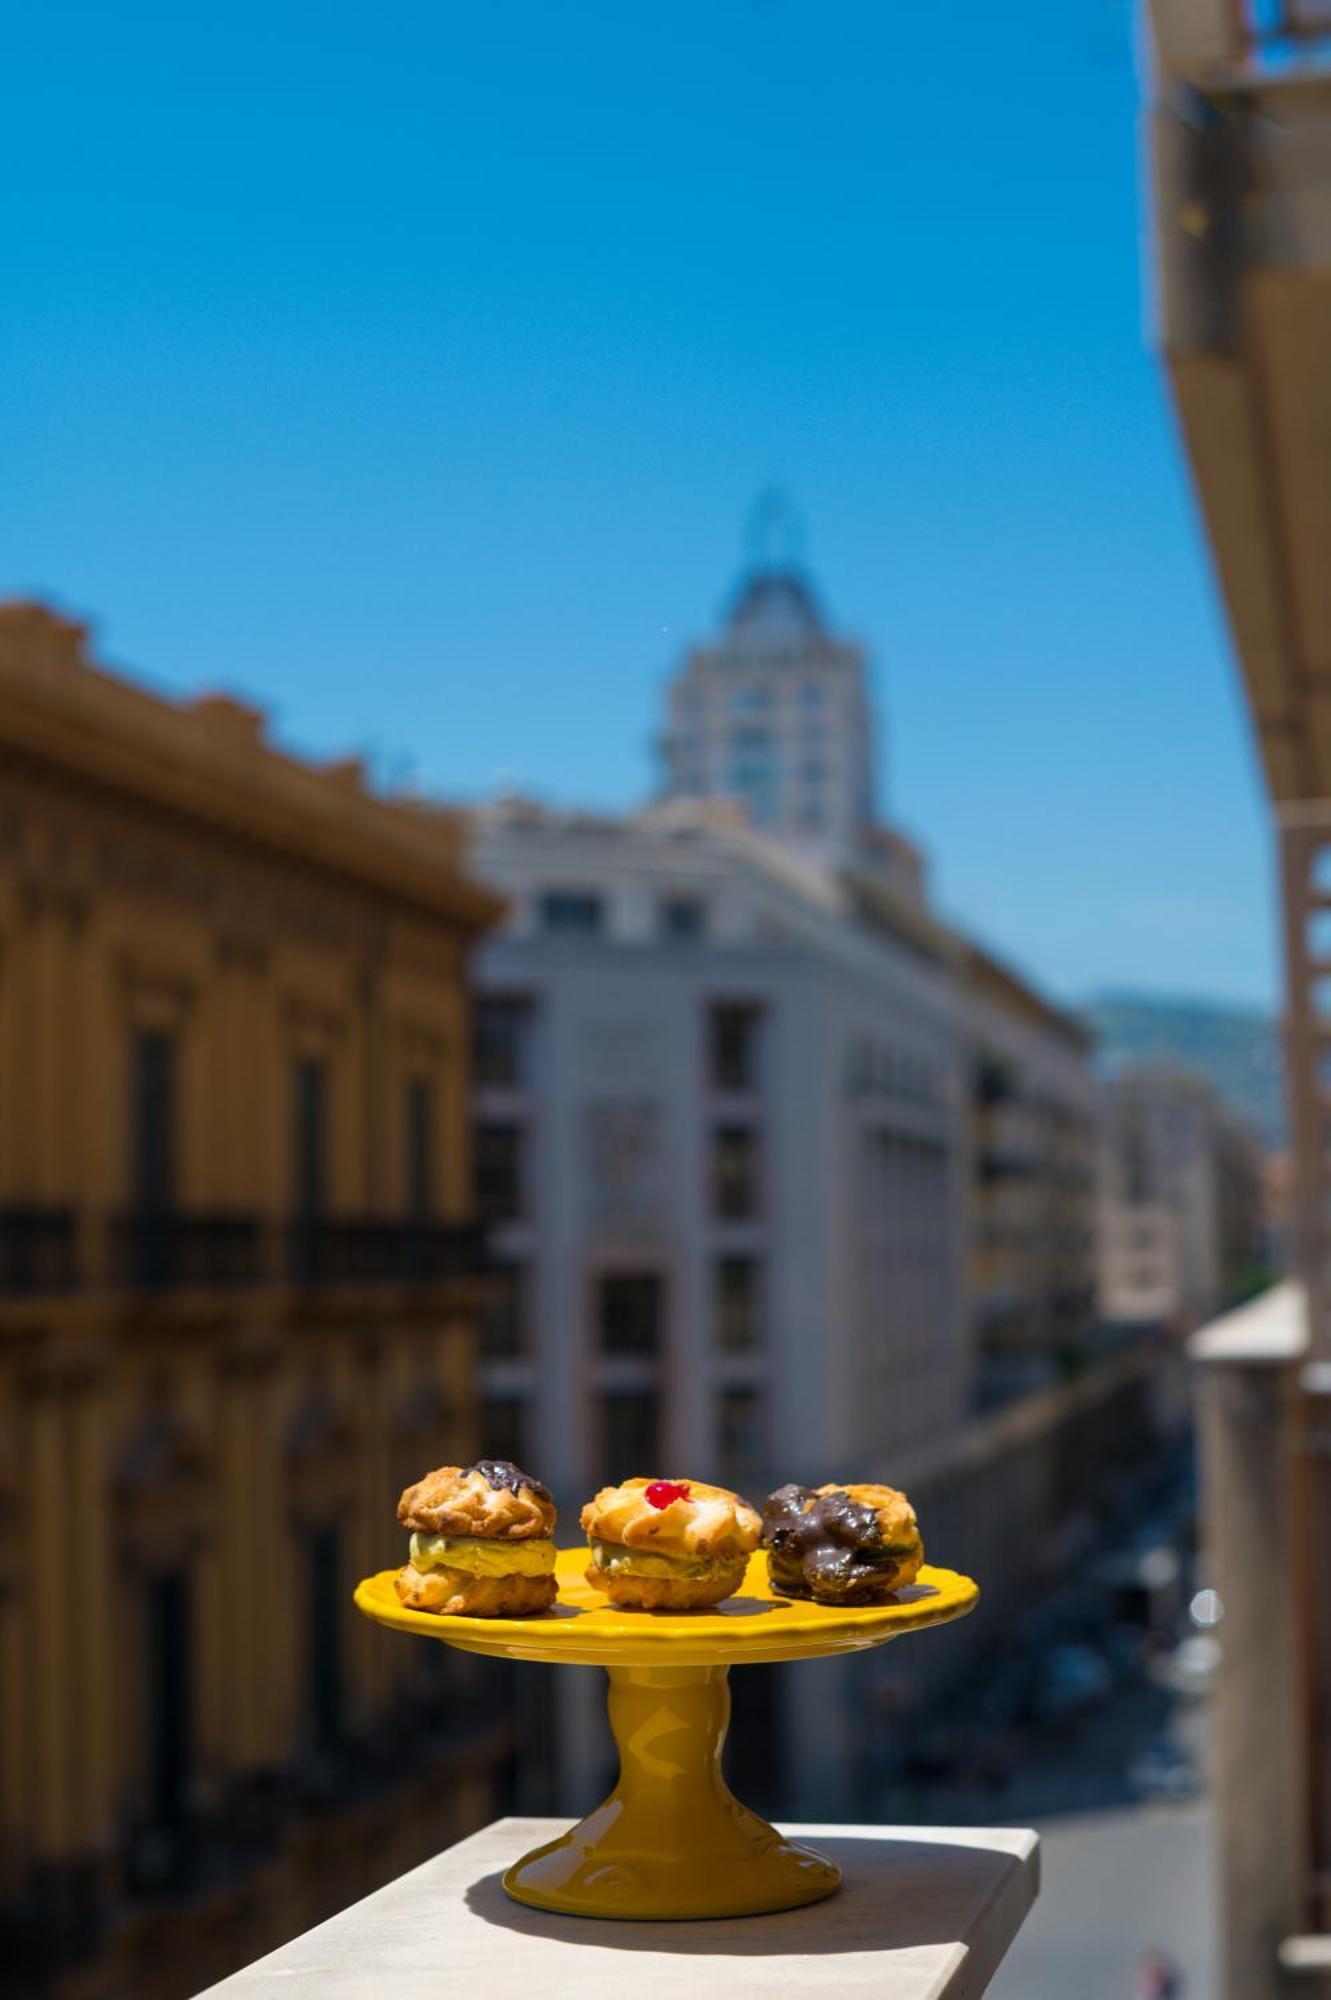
[(672, 1840)]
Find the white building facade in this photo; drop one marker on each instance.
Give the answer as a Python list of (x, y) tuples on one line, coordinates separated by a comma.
[(1034, 1124), (726, 1137), (1179, 1191), (719, 1142)]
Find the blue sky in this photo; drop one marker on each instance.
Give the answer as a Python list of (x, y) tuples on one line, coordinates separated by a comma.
[(413, 369)]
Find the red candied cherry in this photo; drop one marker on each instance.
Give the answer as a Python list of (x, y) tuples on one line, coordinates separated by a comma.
[(664, 1492)]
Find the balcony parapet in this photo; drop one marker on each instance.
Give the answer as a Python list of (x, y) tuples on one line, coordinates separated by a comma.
[(924, 1913), (1267, 1332)]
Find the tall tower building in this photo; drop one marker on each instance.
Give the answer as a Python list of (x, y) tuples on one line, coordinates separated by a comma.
[(776, 713)]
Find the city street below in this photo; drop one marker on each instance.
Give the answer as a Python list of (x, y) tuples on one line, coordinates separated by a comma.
[(1114, 1887)]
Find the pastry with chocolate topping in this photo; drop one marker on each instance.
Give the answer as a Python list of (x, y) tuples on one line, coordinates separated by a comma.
[(481, 1542), (841, 1544), (668, 1544)]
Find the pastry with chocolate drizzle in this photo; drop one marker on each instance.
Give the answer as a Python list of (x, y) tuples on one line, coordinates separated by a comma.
[(840, 1544), (481, 1542)]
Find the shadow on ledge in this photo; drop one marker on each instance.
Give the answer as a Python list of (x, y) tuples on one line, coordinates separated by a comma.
[(894, 1895)]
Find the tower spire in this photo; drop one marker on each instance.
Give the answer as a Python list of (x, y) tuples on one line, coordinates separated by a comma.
[(774, 531)]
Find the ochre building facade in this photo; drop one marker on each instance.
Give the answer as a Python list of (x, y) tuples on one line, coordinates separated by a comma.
[(237, 1293)]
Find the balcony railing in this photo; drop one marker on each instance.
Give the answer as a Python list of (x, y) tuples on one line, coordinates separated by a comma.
[(1007, 1164), (1263, 22), (371, 1250), (1233, 44), (181, 1248), (37, 1250)]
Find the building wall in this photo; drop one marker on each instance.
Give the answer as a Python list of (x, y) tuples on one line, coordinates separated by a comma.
[(623, 1074), (1033, 1111), (209, 1401), (1182, 1224), (776, 712), (893, 1077), (845, 1104)]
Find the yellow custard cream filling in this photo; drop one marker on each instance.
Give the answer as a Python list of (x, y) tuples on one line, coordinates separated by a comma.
[(482, 1557), (612, 1557)]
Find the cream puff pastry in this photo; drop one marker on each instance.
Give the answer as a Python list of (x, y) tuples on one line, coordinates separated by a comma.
[(668, 1544), (841, 1544), (481, 1542)]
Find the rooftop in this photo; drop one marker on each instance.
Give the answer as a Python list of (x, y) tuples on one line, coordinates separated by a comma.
[(211, 761), (775, 604), (718, 833)]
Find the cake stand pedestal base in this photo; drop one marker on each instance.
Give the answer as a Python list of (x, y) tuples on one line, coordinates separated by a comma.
[(672, 1840)]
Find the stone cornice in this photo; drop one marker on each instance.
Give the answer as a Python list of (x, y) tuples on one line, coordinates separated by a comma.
[(209, 763)]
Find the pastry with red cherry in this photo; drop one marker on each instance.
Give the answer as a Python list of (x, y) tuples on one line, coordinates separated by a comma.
[(668, 1544)]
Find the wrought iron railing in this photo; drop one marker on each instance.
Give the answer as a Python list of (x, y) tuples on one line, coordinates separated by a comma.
[(158, 1250), (170, 1249), (38, 1249), (371, 1250)]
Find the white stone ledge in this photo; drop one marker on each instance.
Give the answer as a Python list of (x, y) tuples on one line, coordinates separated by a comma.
[(922, 1913), (1306, 1954), (1270, 1330)]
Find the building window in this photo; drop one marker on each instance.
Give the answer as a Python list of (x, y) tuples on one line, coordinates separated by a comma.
[(420, 1148), (504, 1428), (1137, 1186), (628, 1312), (497, 1169), (572, 912), (994, 1080), (504, 1322), (813, 695), (741, 1435), (630, 1433), (751, 773), (309, 1138), (683, 919), (168, 1694), (736, 1303), (153, 1120), (734, 1038), (324, 1672), (501, 1029), (735, 1183)]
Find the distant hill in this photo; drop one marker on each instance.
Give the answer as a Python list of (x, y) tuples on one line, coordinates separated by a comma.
[(1237, 1049)]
